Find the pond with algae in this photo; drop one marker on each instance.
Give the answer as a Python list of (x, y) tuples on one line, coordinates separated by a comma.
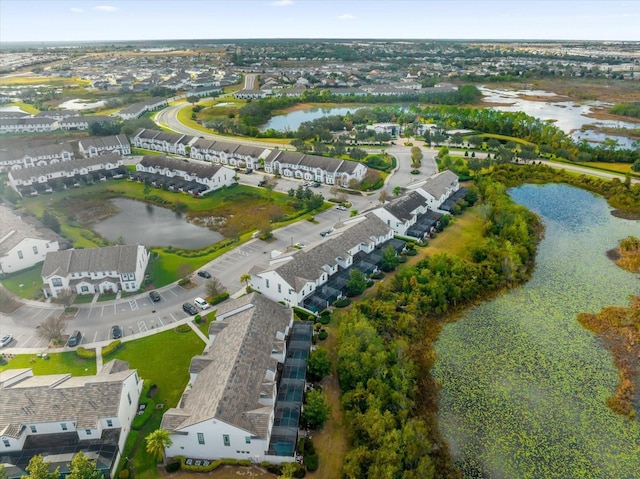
[(524, 386)]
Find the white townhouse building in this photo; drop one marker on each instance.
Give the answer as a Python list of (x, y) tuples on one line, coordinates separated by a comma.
[(39, 178), (35, 156), (181, 174), (83, 122), (292, 278), (250, 94), (166, 142), (228, 153), (236, 403), (23, 242), (95, 270), (92, 414), (402, 213), (28, 125), (98, 145), (437, 188), (322, 169), (57, 115), (138, 109)]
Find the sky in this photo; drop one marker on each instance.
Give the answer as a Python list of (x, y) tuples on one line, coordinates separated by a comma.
[(119, 20)]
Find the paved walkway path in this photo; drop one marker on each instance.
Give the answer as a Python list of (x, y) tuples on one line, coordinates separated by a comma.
[(196, 330), (99, 362)]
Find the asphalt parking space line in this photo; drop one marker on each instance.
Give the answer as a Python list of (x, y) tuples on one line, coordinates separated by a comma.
[(160, 321), (95, 337), (142, 326)]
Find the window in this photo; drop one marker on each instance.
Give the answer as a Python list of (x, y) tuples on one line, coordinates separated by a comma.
[(247, 439), (267, 283), (33, 429), (85, 289), (129, 398), (35, 250), (56, 282), (225, 439), (20, 255), (201, 438), (109, 423), (6, 443), (63, 426), (279, 288), (87, 432)]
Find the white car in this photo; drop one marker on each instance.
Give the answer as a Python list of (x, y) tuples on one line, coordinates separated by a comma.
[(201, 303), (341, 208), (5, 340)]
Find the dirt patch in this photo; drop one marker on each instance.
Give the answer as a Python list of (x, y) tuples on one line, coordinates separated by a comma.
[(627, 215), (88, 211), (224, 472)]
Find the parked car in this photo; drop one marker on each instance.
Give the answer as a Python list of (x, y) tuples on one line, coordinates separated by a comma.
[(154, 296), (201, 303), (116, 332), (204, 274), (74, 339), (262, 183), (300, 245), (316, 185), (341, 208), (189, 309), (248, 171), (325, 233), (5, 340)]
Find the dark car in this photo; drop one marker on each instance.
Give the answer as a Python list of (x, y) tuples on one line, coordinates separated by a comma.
[(116, 332), (189, 309), (262, 183), (204, 274), (154, 296), (325, 233), (74, 339)]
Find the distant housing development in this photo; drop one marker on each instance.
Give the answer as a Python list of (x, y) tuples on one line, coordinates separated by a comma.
[(138, 109), (16, 158), (95, 270), (92, 414), (98, 145), (245, 393)]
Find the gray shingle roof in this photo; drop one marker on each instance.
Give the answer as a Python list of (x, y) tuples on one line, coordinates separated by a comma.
[(403, 207), (103, 141), (121, 258), (67, 166), (61, 397), (437, 184), (228, 389), (34, 152), (22, 228), (200, 169)]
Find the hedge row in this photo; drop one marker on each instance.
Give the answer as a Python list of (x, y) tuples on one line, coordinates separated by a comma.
[(86, 353), (220, 298), (140, 420), (211, 465), (111, 348)]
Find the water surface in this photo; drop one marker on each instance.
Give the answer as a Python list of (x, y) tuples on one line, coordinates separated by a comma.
[(141, 223), (524, 386)]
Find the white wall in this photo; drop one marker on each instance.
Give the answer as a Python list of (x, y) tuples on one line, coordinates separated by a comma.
[(11, 261)]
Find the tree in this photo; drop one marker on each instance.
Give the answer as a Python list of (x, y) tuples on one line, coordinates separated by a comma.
[(82, 467), (316, 410), (356, 283), (474, 165), (214, 287), (245, 278), (289, 470), (50, 221), (38, 469), (318, 364), (389, 260), (383, 197), (397, 191), (357, 154), (51, 329), (157, 441), (193, 99)]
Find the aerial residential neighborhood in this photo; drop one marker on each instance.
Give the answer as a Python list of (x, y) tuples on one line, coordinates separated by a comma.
[(332, 247)]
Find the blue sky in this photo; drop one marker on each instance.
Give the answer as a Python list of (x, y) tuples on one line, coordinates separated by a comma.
[(88, 20)]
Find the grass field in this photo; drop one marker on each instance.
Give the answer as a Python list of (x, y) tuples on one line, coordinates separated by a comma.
[(623, 168), (463, 231), (26, 283), (56, 363), (505, 138), (32, 110), (20, 80)]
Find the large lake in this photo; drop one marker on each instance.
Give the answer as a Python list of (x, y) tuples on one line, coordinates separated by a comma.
[(524, 386), (141, 223), (292, 121)]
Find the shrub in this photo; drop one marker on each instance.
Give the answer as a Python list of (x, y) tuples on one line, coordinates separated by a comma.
[(342, 303), (411, 252), (173, 466), (140, 420), (317, 327), (111, 348), (311, 462), (402, 259), (220, 298), (325, 312), (303, 314), (86, 353), (197, 319), (323, 335), (124, 474), (272, 468), (324, 319), (377, 275), (415, 172), (183, 328)]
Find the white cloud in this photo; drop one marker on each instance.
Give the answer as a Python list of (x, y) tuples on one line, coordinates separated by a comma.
[(105, 8), (77, 10), (346, 16), (282, 3)]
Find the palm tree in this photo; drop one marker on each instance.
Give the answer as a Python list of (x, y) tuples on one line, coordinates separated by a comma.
[(245, 278), (157, 441)]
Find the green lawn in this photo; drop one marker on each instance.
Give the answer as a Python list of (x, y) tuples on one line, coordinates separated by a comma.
[(56, 363), (162, 359), (32, 110), (30, 279)]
